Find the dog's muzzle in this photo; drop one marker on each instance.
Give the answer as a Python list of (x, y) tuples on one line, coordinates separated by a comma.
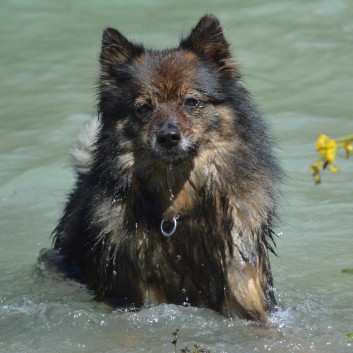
[(168, 136)]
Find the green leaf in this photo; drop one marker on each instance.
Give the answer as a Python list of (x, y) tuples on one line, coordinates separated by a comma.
[(349, 334), (349, 271)]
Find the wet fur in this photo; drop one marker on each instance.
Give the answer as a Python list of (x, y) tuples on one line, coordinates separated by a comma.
[(220, 181)]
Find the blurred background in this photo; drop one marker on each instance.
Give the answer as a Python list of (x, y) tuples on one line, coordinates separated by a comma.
[(296, 57)]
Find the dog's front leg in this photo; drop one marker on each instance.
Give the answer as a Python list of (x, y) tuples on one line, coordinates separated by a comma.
[(246, 292)]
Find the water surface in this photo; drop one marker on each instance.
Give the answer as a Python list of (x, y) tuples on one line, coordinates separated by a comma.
[(296, 57)]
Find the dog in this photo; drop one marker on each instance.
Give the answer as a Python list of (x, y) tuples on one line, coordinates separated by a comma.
[(177, 183)]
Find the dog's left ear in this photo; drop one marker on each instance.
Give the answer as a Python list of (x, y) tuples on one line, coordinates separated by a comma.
[(117, 49), (208, 42)]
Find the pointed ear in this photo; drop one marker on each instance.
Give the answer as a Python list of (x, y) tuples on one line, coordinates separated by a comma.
[(116, 49), (208, 42)]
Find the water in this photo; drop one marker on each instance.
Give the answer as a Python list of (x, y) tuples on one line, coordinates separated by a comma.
[(297, 59)]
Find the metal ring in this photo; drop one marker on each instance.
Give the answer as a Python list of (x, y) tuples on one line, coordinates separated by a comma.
[(171, 232)]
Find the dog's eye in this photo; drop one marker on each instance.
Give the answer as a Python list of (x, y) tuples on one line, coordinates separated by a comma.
[(191, 103), (144, 109)]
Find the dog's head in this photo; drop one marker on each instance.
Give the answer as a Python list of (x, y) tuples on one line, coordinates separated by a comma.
[(167, 104)]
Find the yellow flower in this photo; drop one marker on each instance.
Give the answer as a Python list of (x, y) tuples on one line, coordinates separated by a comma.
[(349, 149), (321, 145), (317, 178), (334, 169), (315, 170), (326, 147), (322, 141), (331, 151)]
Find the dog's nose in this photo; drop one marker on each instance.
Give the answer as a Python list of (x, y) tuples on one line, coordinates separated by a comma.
[(168, 136)]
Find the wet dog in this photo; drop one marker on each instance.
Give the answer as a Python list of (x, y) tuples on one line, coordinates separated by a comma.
[(177, 185)]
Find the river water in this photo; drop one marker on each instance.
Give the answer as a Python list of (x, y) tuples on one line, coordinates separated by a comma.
[(297, 59)]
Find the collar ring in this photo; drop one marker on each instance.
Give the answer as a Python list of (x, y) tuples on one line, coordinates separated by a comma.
[(168, 233)]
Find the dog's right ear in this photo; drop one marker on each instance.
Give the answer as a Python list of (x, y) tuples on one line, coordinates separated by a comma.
[(117, 49), (208, 42)]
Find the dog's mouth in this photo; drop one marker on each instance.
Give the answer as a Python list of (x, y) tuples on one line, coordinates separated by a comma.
[(172, 155)]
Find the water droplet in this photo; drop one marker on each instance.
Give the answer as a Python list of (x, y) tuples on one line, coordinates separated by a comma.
[(170, 181), (115, 273), (116, 199)]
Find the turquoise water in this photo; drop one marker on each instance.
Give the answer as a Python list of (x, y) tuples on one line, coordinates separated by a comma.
[(297, 60)]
